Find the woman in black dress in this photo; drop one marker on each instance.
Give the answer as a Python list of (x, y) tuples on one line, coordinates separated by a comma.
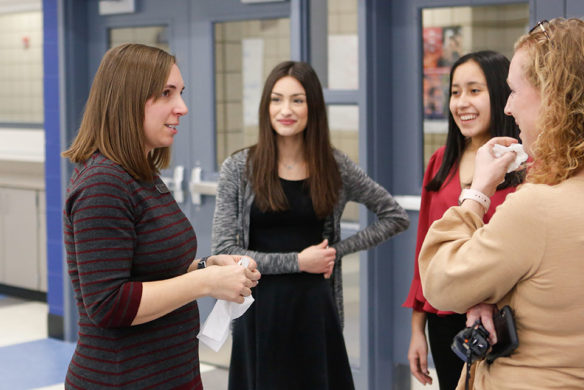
[(280, 202)]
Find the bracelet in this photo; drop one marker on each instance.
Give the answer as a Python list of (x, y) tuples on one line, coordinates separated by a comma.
[(475, 195), (203, 262)]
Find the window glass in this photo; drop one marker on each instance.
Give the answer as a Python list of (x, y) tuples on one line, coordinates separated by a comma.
[(156, 36), (344, 130), (245, 53), (449, 33), (343, 51), (352, 307)]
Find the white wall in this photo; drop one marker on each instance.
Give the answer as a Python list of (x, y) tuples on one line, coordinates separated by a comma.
[(21, 67)]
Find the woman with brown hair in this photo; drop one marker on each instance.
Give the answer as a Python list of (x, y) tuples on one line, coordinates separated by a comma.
[(280, 202), (529, 255), (130, 249)]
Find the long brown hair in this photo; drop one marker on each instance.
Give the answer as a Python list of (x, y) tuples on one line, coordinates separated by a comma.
[(556, 69), (324, 180), (113, 121)]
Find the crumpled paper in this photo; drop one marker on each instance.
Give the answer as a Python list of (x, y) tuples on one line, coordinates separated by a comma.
[(215, 330), (499, 150)]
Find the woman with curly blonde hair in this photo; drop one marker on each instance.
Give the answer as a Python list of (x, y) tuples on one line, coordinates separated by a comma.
[(529, 256), (557, 71)]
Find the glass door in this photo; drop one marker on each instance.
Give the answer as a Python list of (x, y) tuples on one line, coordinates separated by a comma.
[(224, 49)]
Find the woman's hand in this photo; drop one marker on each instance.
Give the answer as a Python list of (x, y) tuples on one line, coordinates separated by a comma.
[(233, 282), (418, 351), (483, 312), (317, 259), (418, 357), (223, 260), (489, 170)]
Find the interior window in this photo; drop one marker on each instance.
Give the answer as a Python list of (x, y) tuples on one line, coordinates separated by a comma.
[(449, 33), (245, 53)]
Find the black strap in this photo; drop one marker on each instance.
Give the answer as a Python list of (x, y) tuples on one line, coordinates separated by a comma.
[(468, 364)]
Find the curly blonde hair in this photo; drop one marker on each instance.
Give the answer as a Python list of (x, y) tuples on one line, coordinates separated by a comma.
[(556, 69)]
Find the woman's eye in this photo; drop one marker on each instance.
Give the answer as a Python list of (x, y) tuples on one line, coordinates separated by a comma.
[(274, 99), (454, 93), (299, 101), (166, 92)]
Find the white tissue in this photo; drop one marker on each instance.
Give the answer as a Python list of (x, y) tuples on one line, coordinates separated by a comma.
[(499, 150), (215, 330)]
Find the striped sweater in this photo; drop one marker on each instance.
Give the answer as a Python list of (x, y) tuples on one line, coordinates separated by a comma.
[(232, 218), (118, 233)]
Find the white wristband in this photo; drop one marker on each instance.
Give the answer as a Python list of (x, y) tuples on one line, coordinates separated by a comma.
[(475, 195)]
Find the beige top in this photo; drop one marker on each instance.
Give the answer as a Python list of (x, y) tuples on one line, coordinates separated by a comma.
[(531, 257)]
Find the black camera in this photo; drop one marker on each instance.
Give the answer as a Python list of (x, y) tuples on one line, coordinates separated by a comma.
[(471, 343)]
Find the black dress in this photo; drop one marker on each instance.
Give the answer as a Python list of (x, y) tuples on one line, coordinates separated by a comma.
[(290, 338)]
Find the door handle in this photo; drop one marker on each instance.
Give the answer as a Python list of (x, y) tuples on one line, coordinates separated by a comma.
[(199, 187), (174, 183)]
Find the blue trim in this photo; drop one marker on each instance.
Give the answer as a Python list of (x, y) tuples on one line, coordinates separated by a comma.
[(52, 157)]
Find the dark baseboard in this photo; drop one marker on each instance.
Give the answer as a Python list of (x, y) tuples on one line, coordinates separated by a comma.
[(23, 293), (56, 324)]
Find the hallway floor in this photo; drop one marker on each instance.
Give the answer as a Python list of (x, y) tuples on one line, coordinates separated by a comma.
[(31, 360)]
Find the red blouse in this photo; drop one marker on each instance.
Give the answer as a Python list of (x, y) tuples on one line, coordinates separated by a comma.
[(434, 205)]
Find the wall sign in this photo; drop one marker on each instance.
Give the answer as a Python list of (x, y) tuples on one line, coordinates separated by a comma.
[(110, 7)]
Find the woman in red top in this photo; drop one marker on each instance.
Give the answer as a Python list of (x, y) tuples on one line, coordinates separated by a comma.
[(478, 93)]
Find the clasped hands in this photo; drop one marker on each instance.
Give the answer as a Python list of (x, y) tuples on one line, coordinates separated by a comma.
[(231, 281)]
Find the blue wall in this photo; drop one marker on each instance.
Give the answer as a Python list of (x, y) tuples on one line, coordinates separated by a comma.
[(53, 166)]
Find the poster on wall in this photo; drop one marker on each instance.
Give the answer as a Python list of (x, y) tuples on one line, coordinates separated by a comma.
[(442, 47)]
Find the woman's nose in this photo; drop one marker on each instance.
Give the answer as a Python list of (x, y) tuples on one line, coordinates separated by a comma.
[(507, 109), (286, 109), (462, 100), (181, 108)]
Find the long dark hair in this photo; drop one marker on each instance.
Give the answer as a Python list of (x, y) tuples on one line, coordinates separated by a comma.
[(324, 179), (495, 67)]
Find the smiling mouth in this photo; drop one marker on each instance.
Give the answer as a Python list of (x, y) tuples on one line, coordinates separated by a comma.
[(467, 117), (287, 121)]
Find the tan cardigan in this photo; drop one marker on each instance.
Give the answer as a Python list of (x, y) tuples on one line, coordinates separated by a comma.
[(531, 257)]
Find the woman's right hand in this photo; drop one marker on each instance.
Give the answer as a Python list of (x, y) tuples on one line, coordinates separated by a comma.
[(232, 282), (317, 259), (489, 170)]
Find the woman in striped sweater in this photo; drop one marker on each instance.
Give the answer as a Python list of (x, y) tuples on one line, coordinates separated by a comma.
[(130, 249)]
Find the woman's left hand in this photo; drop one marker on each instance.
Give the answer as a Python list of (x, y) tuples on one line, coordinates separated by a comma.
[(483, 312), (489, 170)]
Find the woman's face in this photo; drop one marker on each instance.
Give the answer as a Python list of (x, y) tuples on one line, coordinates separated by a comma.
[(524, 101), (288, 107), (161, 115), (470, 103)]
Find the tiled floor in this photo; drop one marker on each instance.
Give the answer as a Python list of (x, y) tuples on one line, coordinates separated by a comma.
[(30, 360)]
